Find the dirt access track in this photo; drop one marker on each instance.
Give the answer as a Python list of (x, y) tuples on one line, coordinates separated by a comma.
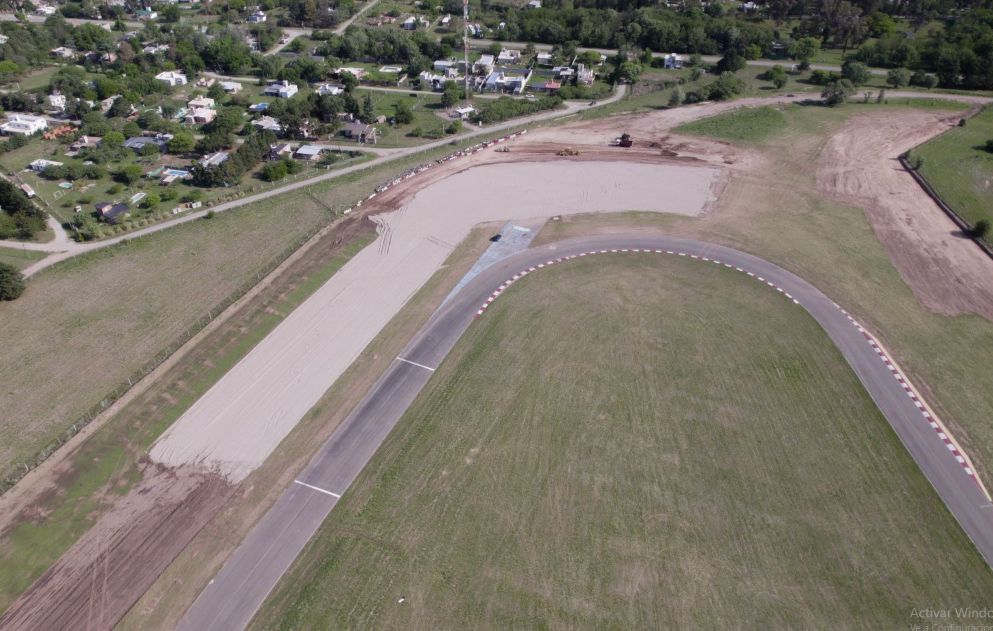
[(80, 592), (946, 271)]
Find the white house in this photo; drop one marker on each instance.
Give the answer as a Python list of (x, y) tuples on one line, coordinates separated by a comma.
[(436, 81), (3, 39), (200, 115), (442, 65), (215, 159), (200, 101), (57, 101), (41, 164), (410, 23), (584, 75), (268, 123), (63, 52), (463, 113), (23, 124), (509, 56), (483, 65), (283, 89), (257, 18), (672, 60), (446, 20), (358, 73), (534, 4), (231, 87), (544, 59), (172, 77), (329, 89), (309, 152)]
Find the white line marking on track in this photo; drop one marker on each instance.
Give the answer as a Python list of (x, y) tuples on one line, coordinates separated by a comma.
[(407, 361), (318, 489)]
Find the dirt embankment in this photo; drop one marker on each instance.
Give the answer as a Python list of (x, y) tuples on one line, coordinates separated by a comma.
[(859, 166), (95, 583)]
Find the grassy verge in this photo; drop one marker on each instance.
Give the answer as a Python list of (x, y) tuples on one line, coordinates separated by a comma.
[(171, 595), (957, 165), (19, 258), (107, 464), (531, 488), (751, 125)]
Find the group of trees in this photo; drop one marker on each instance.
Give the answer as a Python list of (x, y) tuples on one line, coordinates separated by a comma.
[(504, 108), (20, 218), (229, 172), (960, 54)]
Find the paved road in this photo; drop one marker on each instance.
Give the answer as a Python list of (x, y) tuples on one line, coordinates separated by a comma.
[(239, 589), (63, 251)]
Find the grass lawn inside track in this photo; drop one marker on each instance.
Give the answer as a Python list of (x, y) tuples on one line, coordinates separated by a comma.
[(959, 168), (636, 441)]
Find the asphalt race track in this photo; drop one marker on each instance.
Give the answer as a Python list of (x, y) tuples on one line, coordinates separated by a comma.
[(249, 575)]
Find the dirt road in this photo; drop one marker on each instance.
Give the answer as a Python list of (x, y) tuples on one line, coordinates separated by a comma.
[(859, 166)]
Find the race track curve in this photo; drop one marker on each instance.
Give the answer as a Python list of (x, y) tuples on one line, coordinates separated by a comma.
[(249, 575)]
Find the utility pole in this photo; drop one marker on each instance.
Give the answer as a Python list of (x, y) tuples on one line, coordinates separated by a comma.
[(465, 45)]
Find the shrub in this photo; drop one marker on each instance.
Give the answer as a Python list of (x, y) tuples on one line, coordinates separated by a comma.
[(981, 229), (11, 282), (856, 72), (837, 92)]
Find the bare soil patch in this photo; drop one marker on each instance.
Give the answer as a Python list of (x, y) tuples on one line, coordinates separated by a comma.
[(110, 567), (236, 425), (859, 166)]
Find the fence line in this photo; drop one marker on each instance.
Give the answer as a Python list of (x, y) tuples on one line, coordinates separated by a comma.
[(933, 194)]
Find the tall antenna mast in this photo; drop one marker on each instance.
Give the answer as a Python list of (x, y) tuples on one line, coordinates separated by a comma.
[(465, 44)]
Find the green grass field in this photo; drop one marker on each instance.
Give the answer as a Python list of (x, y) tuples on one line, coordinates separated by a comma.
[(19, 258), (960, 170), (746, 125), (686, 450)]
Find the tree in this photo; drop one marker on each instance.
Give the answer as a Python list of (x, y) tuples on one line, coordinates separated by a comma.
[(727, 86), (981, 229), (368, 110), (806, 48), (182, 142), (730, 62), (113, 139), (451, 94), (856, 72), (777, 74), (881, 25), (11, 282), (898, 77), (119, 108), (837, 92), (129, 174), (930, 81), (677, 97), (402, 113), (151, 200), (274, 171)]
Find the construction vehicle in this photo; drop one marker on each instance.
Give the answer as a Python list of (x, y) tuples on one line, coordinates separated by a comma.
[(625, 140)]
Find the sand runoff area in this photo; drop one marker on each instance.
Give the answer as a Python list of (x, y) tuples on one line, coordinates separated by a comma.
[(241, 420)]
